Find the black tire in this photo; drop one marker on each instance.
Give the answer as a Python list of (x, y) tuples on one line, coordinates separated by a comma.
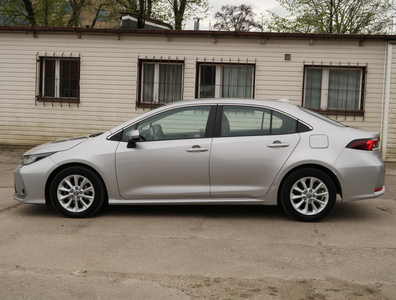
[(77, 192), (308, 195)]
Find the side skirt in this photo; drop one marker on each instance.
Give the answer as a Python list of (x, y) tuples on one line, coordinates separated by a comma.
[(203, 201)]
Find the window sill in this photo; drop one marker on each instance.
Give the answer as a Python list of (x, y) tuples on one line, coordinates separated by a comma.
[(150, 105), (58, 100), (354, 113)]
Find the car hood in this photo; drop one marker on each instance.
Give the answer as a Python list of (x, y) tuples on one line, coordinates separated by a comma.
[(56, 146)]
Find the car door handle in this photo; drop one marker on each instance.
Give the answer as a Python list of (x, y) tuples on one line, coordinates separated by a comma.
[(197, 148), (278, 144)]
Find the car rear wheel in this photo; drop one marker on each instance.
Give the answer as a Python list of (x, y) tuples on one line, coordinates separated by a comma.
[(77, 192), (308, 195)]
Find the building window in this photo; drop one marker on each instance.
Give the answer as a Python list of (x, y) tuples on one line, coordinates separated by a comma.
[(58, 79), (225, 80), (68, 8), (101, 15), (160, 81), (335, 90)]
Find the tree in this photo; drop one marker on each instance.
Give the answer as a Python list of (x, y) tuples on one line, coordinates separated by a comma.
[(76, 8), (333, 16), (16, 13), (111, 7), (141, 7), (177, 12), (236, 18), (48, 12), (68, 12), (34, 13), (41, 12)]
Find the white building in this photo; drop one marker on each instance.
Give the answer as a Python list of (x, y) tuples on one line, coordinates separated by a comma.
[(64, 82)]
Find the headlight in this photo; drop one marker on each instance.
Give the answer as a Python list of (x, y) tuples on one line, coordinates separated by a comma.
[(29, 159)]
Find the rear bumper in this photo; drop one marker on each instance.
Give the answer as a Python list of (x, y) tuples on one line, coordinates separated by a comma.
[(361, 174)]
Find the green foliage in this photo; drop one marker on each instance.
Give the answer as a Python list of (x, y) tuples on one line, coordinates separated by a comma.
[(144, 7), (111, 7), (35, 13), (333, 16), (77, 7), (51, 12), (40, 12), (68, 12)]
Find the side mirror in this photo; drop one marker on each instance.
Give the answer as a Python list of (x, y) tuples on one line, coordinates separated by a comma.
[(133, 137)]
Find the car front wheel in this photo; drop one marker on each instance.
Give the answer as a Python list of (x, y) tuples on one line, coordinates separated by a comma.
[(308, 195), (77, 192)]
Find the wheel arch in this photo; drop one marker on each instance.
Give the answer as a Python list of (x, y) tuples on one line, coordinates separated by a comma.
[(63, 167), (325, 170)]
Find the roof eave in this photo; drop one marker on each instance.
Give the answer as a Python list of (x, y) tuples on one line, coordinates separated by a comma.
[(38, 29)]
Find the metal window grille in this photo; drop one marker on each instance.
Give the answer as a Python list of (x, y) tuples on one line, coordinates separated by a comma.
[(225, 79), (160, 81), (335, 90), (58, 79)]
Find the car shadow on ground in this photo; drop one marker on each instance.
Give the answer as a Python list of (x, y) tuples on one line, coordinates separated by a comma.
[(174, 211), (350, 212), (216, 211), (342, 212)]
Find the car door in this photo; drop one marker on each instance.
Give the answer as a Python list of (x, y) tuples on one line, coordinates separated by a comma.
[(171, 160), (251, 146)]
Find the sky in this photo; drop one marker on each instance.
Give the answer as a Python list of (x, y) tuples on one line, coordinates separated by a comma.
[(259, 7)]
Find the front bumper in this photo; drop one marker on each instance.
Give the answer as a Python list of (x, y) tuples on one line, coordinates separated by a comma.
[(30, 181)]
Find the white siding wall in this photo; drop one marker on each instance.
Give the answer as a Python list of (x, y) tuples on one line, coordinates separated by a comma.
[(391, 142), (109, 74)]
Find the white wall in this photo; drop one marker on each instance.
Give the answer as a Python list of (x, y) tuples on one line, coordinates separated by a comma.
[(109, 73), (391, 124)]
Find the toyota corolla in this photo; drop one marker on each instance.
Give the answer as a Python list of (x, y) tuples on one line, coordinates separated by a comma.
[(227, 151)]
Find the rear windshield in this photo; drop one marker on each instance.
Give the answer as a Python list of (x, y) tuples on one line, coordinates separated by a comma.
[(331, 121)]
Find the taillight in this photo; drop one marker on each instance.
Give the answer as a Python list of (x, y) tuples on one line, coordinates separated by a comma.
[(364, 144)]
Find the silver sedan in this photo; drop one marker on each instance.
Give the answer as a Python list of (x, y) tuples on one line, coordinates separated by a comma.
[(208, 152)]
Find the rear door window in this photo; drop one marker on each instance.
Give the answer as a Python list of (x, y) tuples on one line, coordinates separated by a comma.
[(248, 121)]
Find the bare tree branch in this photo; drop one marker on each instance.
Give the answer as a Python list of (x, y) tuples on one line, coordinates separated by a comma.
[(236, 18)]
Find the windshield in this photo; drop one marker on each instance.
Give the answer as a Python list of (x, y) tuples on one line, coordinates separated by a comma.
[(331, 121)]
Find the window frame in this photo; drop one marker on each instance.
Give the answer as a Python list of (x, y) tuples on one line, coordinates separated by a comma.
[(142, 63), (325, 89), (57, 80), (101, 15), (300, 126), (122, 135), (218, 80)]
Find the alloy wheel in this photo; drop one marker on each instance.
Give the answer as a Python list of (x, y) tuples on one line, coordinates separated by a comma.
[(76, 193), (309, 196)]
